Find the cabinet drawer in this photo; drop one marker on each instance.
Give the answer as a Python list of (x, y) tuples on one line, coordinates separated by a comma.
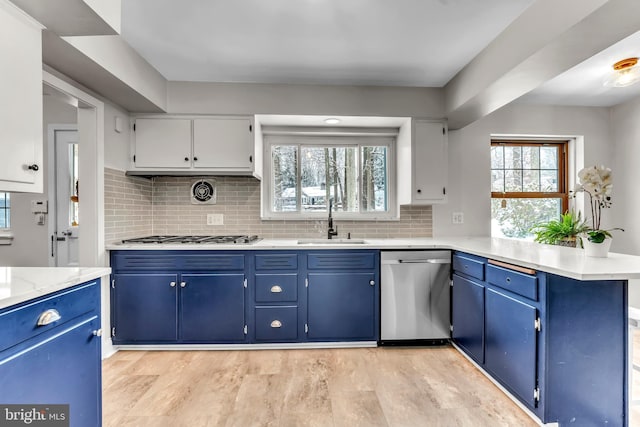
[(21, 323), (514, 281), (277, 262), (341, 260), (276, 287), (468, 266), (277, 323)]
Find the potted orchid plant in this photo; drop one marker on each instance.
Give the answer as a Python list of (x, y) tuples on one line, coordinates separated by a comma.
[(596, 183)]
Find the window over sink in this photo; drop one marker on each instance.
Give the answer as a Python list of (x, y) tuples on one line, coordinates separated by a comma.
[(303, 173), (5, 211), (528, 185)]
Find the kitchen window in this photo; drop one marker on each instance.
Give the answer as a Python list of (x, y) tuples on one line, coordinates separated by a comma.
[(304, 173), (5, 210), (528, 185)]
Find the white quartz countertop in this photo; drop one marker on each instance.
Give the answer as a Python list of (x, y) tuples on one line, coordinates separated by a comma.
[(568, 262), (20, 284)]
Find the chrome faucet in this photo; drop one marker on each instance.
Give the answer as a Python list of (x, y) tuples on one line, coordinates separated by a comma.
[(331, 231)]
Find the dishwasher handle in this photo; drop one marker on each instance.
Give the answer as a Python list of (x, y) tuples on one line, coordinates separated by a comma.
[(417, 261)]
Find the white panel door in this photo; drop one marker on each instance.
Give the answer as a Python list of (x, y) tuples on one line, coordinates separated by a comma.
[(163, 143), (67, 232), (430, 162), (223, 143)]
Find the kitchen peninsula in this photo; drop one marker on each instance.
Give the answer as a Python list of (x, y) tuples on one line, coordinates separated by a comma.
[(546, 323)]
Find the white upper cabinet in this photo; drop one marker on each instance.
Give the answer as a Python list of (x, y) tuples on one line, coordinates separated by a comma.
[(422, 163), (213, 145), (223, 143), (162, 143), (20, 102)]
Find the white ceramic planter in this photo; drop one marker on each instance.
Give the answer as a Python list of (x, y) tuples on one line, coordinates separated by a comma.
[(597, 250)]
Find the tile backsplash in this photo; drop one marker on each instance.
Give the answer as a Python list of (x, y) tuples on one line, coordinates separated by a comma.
[(169, 211)]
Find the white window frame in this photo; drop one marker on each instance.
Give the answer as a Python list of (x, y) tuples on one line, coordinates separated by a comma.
[(358, 141), (6, 236)]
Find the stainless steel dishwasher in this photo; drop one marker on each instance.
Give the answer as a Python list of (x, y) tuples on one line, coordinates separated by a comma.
[(415, 297)]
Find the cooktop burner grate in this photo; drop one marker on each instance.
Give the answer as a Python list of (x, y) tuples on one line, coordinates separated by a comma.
[(161, 239)]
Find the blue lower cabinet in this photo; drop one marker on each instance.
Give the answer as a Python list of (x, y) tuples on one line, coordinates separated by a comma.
[(510, 344), (341, 306), (467, 316), (60, 366), (276, 324), (212, 307), (145, 308)]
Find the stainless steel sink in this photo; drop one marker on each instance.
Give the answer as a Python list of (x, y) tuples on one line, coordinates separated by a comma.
[(331, 241)]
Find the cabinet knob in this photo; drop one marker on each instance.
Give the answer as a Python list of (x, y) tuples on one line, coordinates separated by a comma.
[(372, 282), (97, 332), (419, 190), (276, 324), (49, 316), (183, 284), (172, 284), (195, 159), (276, 289), (33, 167), (186, 159), (508, 279)]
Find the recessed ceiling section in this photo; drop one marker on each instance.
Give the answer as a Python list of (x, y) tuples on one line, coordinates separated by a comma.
[(583, 85), (360, 42)]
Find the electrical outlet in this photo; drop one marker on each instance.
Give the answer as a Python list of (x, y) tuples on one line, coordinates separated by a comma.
[(457, 218), (215, 219)]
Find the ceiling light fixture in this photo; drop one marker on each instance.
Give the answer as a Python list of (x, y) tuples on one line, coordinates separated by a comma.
[(625, 73), (332, 121)]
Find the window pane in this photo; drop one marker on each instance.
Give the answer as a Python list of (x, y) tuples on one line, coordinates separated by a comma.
[(549, 180), (284, 170), (497, 157), (513, 180), (5, 204), (513, 157), (329, 173), (497, 181), (517, 216), (531, 180), (374, 179), (531, 157), (548, 158)]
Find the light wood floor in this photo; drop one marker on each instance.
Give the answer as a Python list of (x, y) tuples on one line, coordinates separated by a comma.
[(326, 387)]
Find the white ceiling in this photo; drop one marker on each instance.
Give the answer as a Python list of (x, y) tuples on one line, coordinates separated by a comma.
[(583, 84), (420, 43), (356, 42)]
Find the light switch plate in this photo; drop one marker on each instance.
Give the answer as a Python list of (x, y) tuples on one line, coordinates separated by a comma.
[(215, 219), (457, 218)]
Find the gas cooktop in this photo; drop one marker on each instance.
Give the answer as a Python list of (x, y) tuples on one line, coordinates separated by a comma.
[(242, 239)]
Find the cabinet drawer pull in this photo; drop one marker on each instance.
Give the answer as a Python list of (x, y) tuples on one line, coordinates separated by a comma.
[(48, 317), (508, 279), (97, 332), (276, 289), (172, 284), (276, 324)]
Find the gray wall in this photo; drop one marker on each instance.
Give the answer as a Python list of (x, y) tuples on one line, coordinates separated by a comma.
[(625, 123), (469, 162), (30, 247)]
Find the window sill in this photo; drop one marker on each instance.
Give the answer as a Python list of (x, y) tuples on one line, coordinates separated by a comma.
[(6, 237)]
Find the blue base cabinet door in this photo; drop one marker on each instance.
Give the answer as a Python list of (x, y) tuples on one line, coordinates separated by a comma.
[(212, 307), (341, 306), (59, 368), (145, 308), (467, 317), (510, 343)]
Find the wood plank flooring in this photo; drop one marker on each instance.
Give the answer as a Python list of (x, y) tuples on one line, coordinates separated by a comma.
[(319, 387)]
